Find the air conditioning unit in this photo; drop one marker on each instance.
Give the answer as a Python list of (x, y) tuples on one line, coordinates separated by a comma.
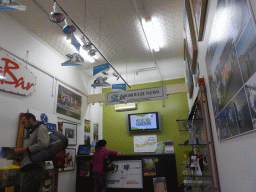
[(126, 107)]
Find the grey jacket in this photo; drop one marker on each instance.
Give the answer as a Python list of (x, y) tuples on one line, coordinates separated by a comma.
[(38, 140)]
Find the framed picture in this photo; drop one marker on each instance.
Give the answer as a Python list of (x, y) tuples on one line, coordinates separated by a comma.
[(190, 35), (189, 75), (199, 8), (69, 160), (69, 104), (87, 126), (69, 130), (230, 62), (95, 131)]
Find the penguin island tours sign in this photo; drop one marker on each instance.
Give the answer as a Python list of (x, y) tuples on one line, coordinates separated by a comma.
[(15, 77), (138, 95)]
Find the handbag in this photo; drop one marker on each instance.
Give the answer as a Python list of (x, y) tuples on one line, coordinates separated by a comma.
[(109, 167)]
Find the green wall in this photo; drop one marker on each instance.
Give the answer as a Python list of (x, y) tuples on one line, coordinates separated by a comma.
[(114, 123)]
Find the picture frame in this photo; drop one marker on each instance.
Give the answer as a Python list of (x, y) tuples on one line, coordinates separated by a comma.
[(233, 106), (70, 131), (95, 131), (199, 8), (87, 132), (190, 35), (69, 160), (68, 103), (189, 75)]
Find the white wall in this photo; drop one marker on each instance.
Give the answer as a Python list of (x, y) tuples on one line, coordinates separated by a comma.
[(235, 157), (15, 39)]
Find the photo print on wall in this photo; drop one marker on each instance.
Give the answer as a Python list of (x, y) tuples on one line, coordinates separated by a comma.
[(87, 130), (231, 67), (69, 104), (95, 131), (69, 130)]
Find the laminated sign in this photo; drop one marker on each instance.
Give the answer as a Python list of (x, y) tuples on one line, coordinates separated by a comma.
[(15, 77), (138, 95)]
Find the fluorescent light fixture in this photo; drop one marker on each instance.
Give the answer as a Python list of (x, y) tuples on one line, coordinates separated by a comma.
[(82, 52), (151, 34), (85, 55)]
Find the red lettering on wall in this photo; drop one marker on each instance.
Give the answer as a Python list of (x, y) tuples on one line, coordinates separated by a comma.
[(8, 68)]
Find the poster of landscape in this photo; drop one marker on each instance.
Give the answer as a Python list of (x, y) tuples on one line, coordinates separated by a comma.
[(231, 67)]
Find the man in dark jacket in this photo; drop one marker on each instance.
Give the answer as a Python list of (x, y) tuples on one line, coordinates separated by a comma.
[(32, 172)]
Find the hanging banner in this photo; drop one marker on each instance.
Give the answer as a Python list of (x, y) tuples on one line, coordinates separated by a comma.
[(119, 87), (75, 42), (100, 68), (50, 121), (11, 5), (15, 77), (74, 60), (138, 95)]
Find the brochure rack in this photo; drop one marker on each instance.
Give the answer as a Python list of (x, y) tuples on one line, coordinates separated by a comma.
[(199, 165)]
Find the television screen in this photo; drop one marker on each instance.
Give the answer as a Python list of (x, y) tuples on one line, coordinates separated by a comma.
[(149, 121)]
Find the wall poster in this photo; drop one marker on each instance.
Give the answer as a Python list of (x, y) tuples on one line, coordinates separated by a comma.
[(95, 131), (69, 104), (149, 168), (69, 160), (127, 175), (231, 67), (190, 35), (87, 130), (69, 130), (146, 143)]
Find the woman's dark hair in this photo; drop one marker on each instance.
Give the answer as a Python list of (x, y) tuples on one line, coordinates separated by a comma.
[(28, 116), (101, 143)]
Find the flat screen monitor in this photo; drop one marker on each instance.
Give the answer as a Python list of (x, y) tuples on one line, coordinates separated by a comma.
[(84, 150), (140, 122)]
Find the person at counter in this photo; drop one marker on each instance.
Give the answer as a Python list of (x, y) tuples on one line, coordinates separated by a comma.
[(32, 172), (98, 157)]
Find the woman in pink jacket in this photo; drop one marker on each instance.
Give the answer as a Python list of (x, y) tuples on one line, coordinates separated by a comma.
[(98, 157)]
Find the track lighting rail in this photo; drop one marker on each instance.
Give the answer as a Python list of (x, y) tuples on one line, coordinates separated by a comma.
[(90, 41)]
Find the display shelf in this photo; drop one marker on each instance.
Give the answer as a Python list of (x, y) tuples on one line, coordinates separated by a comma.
[(197, 168)]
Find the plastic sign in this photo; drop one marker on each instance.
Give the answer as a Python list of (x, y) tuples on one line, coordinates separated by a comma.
[(138, 95), (11, 5), (74, 42), (121, 87), (74, 60), (100, 68), (15, 77)]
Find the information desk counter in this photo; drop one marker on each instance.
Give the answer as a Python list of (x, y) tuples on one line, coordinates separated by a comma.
[(133, 172)]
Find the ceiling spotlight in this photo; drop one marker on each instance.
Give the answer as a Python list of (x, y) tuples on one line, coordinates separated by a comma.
[(87, 46), (105, 72), (116, 75), (55, 16), (68, 28), (92, 52)]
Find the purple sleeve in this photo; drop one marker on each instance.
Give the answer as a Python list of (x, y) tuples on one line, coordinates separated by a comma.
[(111, 152)]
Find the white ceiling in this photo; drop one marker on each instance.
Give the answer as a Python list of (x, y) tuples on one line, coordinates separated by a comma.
[(114, 27)]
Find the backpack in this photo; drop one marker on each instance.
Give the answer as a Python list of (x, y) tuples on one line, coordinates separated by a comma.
[(59, 159), (109, 167), (58, 143)]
